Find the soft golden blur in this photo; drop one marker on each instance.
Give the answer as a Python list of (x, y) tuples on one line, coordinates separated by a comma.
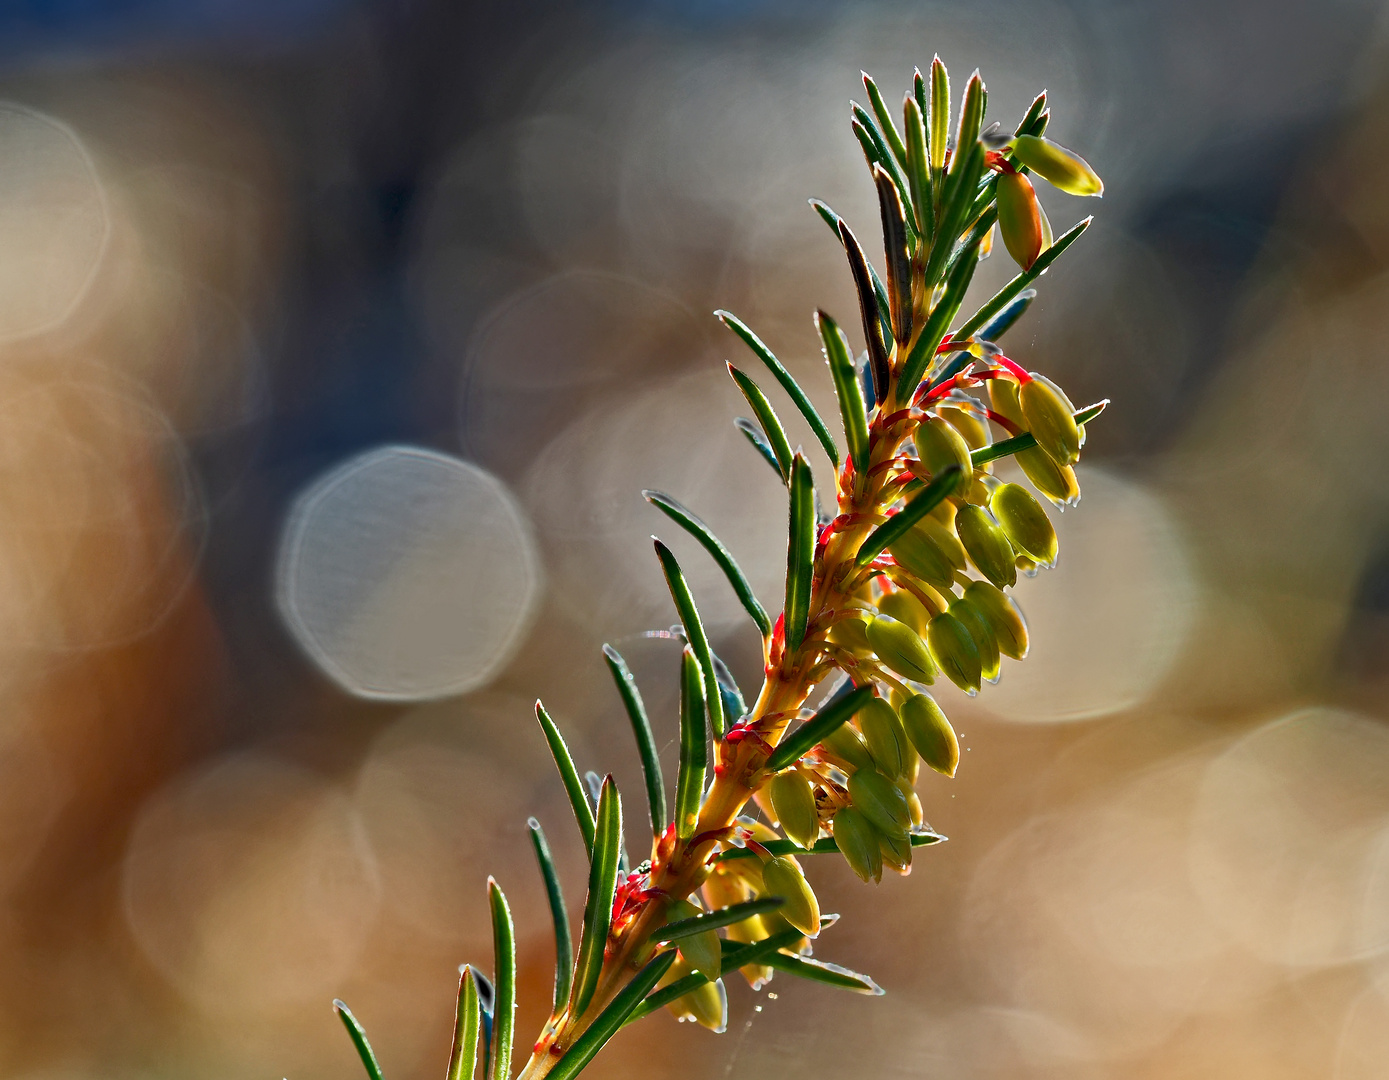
[(330, 375)]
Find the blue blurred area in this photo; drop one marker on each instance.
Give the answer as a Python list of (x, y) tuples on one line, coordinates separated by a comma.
[(114, 26)]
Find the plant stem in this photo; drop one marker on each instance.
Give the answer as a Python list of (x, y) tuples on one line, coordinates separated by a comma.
[(738, 770)]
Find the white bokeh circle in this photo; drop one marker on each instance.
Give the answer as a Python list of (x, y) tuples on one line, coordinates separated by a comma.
[(408, 575)]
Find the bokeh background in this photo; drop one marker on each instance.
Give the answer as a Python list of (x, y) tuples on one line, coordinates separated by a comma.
[(337, 340)]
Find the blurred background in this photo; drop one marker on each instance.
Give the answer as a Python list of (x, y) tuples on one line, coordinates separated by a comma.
[(337, 340)]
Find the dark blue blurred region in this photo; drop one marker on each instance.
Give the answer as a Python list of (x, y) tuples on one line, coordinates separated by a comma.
[(67, 26)]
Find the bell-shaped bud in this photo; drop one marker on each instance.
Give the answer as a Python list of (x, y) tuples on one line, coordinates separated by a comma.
[(914, 805), (754, 928), (913, 769), (880, 801), (706, 1005), (1019, 218), (931, 733), (1050, 422), (857, 841), (793, 802), (784, 879), (905, 608), (1063, 168), (848, 634), (724, 888), (1027, 566), (954, 650), (899, 647), (896, 851), (845, 747), (1009, 627), (1024, 522), (972, 429), (1003, 399), (942, 535), (982, 634), (915, 552), (1056, 482), (986, 544), (701, 951), (886, 740), (939, 446)]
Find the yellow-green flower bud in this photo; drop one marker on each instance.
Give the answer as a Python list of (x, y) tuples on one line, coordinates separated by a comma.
[(724, 888), (784, 879), (1056, 482), (898, 646), (939, 446), (706, 1005), (857, 841), (896, 851), (1009, 627), (751, 929), (943, 536), (793, 802), (1026, 566), (1065, 169), (886, 740), (920, 557), (986, 544), (956, 653), (880, 801), (848, 634), (846, 747), (974, 431), (983, 635), (701, 951), (931, 733), (1050, 422), (1024, 522), (1003, 399), (914, 805), (1019, 218), (905, 608)]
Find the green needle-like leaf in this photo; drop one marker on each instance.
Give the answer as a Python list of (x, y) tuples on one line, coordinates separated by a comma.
[(767, 417), (819, 971), (868, 309), (1001, 323), (641, 730), (918, 506), (897, 248), (564, 942), (824, 846), (833, 220), (1025, 441), (611, 1019), (689, 784), (734, 956), (754, 435), (815, 730), (924, 351), (573, 786), (852, 411), (918, 166), (789, 384), (800, 550), (712, 920), (956, 203), (467, 1026), (721, 555), (889, 130), (882, 156), (940, 117), (971, 112), (1009, 292), (598, 906), (359, 1040), (504, 976), (1033, 116), (694, 634)]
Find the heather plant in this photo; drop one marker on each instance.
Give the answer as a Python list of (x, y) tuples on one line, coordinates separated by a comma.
[(909, 579)]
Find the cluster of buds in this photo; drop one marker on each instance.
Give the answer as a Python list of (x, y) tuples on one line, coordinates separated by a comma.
[(910, 581)]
